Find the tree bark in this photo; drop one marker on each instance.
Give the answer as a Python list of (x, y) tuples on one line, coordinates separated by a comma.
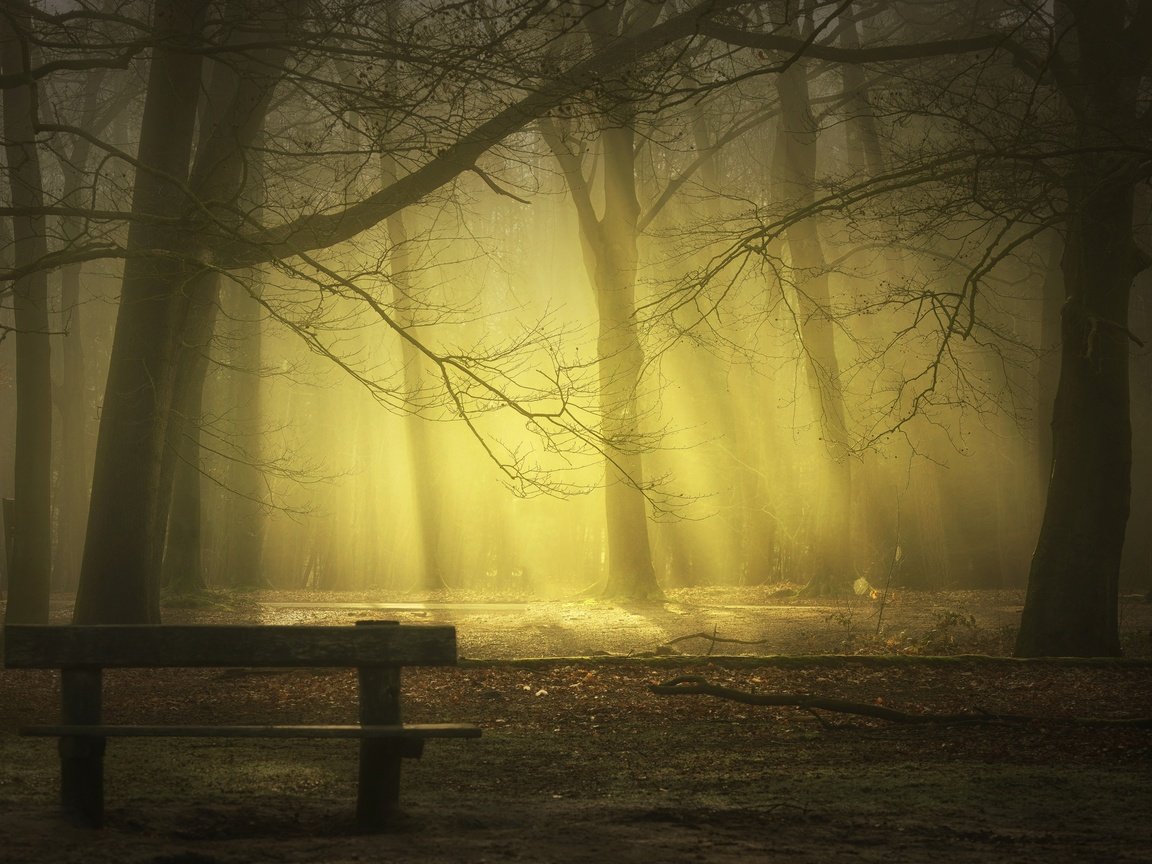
[(71, 395), (1071, 605), (117, 581), (425, 485), (187, 295), (794, 169), (610, 256), (247, 522), (29, 579), (182, 566), (1048, 375), (232, 120)]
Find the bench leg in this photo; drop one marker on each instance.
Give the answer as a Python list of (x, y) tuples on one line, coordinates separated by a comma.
[(379, 791), (379, 787), (81, 758), (82, 780)]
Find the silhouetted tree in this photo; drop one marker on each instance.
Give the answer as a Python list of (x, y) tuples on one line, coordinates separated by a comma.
[(29, 578)]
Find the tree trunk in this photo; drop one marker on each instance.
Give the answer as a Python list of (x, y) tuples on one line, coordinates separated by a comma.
[(117, 581), (72, 461), (610, 251), (176, 356), (182, 567), (425, 489), (1071, 605), (1048, 375), (794, 169), (71, 394), (178, 531), (232, 121), (610, 256), (613, 257), (247, 522), (630, 571), (30, 575)]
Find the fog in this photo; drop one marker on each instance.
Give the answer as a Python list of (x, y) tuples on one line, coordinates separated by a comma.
[(694, 313)]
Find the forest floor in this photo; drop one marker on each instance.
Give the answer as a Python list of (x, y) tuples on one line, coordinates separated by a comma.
[(582, 762)]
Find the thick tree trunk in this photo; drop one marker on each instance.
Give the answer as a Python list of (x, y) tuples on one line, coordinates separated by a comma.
[(630, 571), (30, 575), (117, 582), (1048, 375), (174, 348), (613, 257), (1071, 606)]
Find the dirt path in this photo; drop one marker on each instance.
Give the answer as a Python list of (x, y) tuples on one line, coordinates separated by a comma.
[(766, 620)]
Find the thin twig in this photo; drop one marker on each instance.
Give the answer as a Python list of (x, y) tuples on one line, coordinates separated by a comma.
[(712, 637), (695, 685)]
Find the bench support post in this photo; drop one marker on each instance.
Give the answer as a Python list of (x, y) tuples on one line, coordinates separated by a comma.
[(81, 758), (378, 794)]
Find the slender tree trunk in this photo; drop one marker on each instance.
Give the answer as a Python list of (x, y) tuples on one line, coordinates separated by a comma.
[(247, 520), (425, 487), (232, 121), (181, 474), (70, 390), (72, 463), (7, 405), (182, 567), (29, 579), (1136, 569), (863, 128), (247, 523), (794, 167)]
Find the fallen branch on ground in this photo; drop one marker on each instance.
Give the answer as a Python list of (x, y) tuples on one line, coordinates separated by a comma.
[(695, 685), (713, 638)]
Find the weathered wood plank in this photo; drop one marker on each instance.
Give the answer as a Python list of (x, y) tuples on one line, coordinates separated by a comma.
[(81, 758), (405, 731), (119, 646), (378, 787)]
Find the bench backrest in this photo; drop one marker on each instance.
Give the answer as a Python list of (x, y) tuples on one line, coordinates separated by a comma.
[(379, 644)]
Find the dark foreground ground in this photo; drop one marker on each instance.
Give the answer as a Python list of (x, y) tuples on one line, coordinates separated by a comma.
[(581, 762)]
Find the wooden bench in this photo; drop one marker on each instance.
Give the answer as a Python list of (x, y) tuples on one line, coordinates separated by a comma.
[(377, 649)]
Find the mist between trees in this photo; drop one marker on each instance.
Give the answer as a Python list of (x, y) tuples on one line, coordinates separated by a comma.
[(558, 297)]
